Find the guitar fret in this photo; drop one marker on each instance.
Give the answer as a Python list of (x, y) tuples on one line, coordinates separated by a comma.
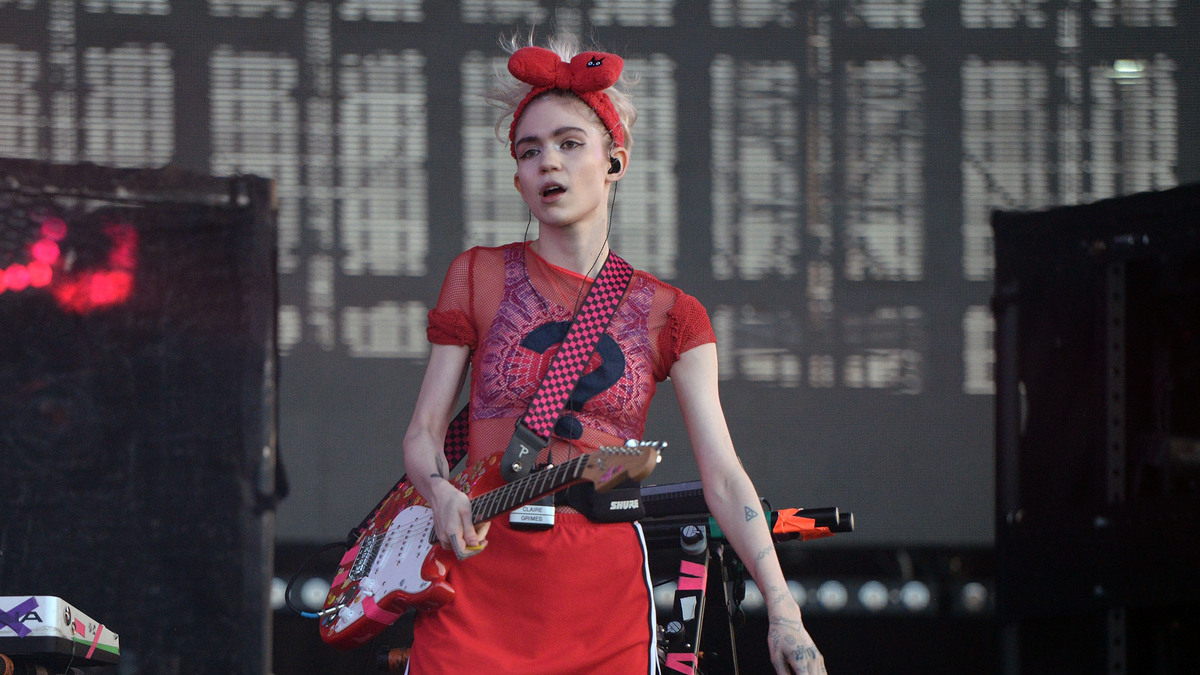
[(483, 504)]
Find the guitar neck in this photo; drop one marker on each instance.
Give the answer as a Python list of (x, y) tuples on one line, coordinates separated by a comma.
[(528, 489)]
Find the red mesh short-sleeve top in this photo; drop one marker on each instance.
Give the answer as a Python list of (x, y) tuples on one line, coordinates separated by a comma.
[(512, 308)]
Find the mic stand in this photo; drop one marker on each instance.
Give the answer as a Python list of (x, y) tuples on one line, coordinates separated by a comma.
[(686, 628), (676, 514)]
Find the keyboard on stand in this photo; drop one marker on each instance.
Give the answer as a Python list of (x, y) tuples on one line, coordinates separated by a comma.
[(46, 630)]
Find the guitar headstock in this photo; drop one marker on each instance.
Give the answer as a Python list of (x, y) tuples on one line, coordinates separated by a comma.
[(609, 466)]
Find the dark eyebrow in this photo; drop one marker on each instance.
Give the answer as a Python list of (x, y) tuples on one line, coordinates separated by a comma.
[(557, 132)]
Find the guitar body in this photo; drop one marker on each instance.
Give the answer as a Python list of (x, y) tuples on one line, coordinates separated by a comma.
[(394, 566), (396, 563)]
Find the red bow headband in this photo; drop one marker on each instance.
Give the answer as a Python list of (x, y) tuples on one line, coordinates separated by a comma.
[(586, 76)]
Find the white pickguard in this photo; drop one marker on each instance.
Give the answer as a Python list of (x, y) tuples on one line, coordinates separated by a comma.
[(397, 566)]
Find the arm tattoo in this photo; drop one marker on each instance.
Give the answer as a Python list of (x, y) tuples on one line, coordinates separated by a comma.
[(441, 468), (751, 514), (787, 623), (804, 654), (776, 594)]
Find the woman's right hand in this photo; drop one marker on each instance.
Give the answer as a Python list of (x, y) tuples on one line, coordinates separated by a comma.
[(452, 520)]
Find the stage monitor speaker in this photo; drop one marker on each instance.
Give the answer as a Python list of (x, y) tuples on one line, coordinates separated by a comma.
[(138, 470), (1098, 431)]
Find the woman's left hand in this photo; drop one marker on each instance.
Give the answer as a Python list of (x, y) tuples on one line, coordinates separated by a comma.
[(793, 649)]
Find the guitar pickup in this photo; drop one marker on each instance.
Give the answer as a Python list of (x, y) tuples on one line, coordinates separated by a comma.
[(367, 550)]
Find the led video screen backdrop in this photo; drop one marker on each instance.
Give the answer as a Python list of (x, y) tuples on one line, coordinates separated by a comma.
[(820, 174)]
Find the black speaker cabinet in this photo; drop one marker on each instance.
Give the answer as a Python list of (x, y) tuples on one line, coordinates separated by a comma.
[(1098, 434), (137, 407)]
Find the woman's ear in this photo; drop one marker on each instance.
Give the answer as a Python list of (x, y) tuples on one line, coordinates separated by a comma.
[(618, 163)]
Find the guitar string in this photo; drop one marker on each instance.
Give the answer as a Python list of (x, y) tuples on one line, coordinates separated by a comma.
[(514, 494), (502, 499), (511, 495)]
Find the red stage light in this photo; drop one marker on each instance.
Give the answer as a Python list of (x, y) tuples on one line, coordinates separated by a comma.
[(45, 250), (54, 228), (112, 284), (110, 288), (81, 290), (16, 278), (40, 274)]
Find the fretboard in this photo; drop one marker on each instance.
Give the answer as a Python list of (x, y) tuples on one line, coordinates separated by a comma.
[(528, 489)]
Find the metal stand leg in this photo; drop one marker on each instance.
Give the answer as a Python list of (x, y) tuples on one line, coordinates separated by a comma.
[(686, 627)]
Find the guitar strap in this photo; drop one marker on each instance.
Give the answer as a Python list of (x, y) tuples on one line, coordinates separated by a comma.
[(456, 445), (533, 430)]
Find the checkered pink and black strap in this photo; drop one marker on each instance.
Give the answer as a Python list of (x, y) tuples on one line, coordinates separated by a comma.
[(456, 445), (534, 429), (577, 347)]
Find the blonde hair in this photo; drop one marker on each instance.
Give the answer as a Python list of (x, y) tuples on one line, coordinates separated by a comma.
[(508, 92)]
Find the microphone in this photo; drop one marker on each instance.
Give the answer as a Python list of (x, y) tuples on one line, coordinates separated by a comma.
[(805, 524)]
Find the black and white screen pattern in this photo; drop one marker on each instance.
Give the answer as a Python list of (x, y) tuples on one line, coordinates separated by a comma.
[(819, 174)]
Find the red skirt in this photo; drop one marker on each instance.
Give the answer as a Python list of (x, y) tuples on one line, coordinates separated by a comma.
[(573, 599)]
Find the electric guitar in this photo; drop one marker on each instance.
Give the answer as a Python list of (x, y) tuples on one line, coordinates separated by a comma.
[(396, 562)]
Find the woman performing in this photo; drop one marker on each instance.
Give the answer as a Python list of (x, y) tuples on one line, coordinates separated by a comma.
[(574, 597)]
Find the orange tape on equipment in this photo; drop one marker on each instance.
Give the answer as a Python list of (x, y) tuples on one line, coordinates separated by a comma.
[(788, 523)]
